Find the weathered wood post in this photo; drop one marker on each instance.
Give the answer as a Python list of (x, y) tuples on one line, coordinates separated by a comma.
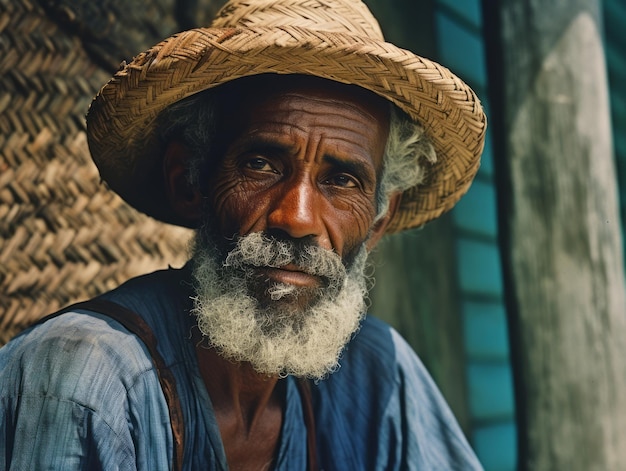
[(561, 236)]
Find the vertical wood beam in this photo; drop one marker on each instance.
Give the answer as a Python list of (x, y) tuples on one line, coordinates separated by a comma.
[(560, 232)]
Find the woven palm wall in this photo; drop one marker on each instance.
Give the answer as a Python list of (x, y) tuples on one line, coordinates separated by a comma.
[(63, 235)]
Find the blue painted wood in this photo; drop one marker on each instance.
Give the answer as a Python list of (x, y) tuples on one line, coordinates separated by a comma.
[(495, 444), (614, 12), (619, 141), (486, 160), (461, 50), (616, 63), (476, 212), (468, 10), (489, 375), (614, 21), (491, 391), (479, 267), (485, 332)]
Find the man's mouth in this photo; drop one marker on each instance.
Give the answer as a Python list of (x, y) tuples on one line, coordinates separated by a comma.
[(291, 275)]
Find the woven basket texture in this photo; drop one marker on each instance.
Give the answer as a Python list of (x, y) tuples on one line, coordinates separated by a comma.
[(63, 235)]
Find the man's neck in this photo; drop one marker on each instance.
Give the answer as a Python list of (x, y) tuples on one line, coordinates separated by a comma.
[(236, 388), (248, 406)]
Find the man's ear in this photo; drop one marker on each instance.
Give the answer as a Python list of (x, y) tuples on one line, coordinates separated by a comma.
[(378, 231), (185, 200)]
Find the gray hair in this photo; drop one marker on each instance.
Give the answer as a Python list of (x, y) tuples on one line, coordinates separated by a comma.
[(194, 121), (403, 162)]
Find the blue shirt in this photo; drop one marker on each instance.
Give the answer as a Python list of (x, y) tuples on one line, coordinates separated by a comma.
[(80, 392)]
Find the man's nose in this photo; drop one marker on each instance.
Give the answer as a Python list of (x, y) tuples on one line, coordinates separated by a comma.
[(297, 209)]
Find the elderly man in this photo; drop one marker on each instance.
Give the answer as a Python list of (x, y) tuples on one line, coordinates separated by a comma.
[(292, 137)]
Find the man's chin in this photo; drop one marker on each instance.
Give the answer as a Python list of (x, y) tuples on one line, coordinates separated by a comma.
[(295, 300), (279, 328)]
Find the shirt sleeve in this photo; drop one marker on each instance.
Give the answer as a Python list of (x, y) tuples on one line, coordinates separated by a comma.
[(382, 410), (431, 436), (44, 432), (79, 393)]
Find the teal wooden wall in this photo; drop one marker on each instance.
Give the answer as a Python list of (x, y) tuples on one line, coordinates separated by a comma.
[(460, 42), (459, 45), (450, 31), (615, 45)]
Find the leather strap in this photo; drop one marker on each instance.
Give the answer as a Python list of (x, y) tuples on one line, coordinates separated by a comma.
[(309, 420), (135, 324)]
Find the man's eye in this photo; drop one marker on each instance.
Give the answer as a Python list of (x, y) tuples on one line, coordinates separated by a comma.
[(342, 180), (260, 165)]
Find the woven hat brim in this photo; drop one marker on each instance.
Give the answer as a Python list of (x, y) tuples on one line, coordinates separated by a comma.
[(124, 111)]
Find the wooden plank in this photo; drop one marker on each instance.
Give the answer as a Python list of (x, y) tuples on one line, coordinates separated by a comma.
[(564, 274)]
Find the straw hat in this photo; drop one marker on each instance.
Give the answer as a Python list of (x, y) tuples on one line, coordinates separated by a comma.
[(333, 39)]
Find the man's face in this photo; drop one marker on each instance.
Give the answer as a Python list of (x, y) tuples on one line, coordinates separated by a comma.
[(302, 163), (300, 167)]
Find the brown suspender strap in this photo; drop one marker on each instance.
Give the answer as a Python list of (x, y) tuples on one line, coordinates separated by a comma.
[(309, 420), (135, 324)]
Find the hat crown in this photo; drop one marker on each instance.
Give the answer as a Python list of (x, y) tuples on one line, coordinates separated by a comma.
[(336, 40), (340, 16)]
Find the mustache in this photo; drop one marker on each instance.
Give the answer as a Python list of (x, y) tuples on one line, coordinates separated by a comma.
[(263, 250), (242, 315)]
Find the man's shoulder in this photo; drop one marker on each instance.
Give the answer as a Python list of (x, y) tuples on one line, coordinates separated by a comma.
[(82, 347), (380, 357), (383, 403), (383, 368), (379, 344), (70, 350), (68, 354), (83, 377)]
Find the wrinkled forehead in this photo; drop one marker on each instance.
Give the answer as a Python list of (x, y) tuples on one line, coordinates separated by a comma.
[(245, 93), (349, 113)]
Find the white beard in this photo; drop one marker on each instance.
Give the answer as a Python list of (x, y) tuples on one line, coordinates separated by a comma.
[(276, 337)]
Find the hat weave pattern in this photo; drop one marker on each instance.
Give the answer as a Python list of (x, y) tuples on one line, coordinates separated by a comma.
[(333, 39)]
